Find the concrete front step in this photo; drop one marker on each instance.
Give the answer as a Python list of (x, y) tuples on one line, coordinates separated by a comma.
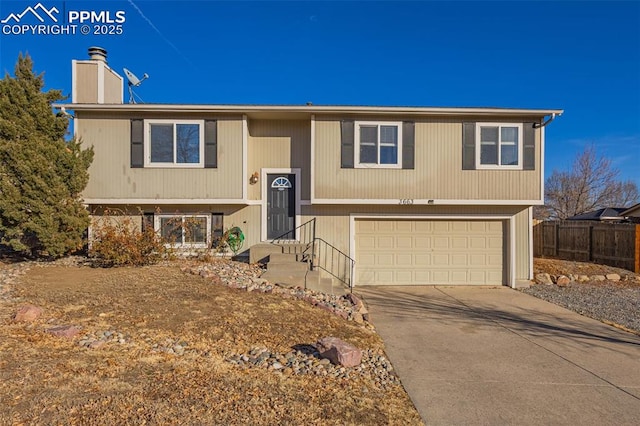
[(287, 257), (287, 266), (310, 280), (262, 252)]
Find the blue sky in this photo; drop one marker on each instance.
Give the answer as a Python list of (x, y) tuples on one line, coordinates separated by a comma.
[(581, 56)]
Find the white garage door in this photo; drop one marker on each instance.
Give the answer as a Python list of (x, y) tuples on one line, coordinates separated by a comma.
[(419, 252)]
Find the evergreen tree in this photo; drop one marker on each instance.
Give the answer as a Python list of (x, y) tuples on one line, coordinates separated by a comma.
[(41, 174)]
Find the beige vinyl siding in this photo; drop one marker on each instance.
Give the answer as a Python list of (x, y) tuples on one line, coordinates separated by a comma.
[(523, 248), (279, 144), (113, 87), (437, 175), (86, 83), (111, 175)]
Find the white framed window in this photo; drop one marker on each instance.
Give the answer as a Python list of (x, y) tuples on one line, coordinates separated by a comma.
[(184, 230), (499, 146), (378, 144), (174, 143)]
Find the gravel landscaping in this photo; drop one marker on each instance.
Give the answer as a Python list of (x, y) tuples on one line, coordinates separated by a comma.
[(612, 302)]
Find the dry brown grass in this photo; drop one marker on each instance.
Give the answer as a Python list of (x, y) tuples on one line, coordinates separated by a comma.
[(48, 380)]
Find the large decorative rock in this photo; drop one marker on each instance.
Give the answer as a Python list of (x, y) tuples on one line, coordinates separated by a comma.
[(563, 281), (28, 313), (339, 352), (544, 279), (67, 331), (613, 277)]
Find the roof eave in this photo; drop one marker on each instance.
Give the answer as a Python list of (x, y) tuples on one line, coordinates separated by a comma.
[(311, 109)]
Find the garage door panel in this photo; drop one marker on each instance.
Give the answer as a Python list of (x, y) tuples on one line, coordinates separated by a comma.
[(441, 242), (478, 243), (385, 277), (422, 242), (423, 226), (404, 276), (459, 277), (366, 242), (459, 242), (440, 277), (385, 243), (494, 243), (385, 259), (386, 226), (477, 277), (404, 242), (406, 252), (440, 259)]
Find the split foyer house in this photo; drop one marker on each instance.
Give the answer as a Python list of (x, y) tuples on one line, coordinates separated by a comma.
[(415, 195)]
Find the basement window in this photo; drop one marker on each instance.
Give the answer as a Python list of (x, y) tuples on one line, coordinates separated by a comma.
[(184, 230)]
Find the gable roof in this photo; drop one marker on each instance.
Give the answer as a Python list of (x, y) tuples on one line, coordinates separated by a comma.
[(608, 213), (632, 211)]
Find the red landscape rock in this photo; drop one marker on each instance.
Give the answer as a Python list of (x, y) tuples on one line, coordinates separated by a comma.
[(563, 281), (68, 331), (28, 313), (339, 352)]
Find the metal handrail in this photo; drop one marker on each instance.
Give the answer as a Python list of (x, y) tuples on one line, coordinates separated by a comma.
[(337, 264), (307, 237)]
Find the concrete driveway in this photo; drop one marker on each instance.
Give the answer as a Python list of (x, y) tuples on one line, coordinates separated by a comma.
[(494, 356)]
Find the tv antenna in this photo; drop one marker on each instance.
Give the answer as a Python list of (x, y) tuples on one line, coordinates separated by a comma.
[(134, 81)]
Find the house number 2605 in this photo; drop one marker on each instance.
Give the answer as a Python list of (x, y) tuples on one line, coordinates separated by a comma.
[(406, 201)]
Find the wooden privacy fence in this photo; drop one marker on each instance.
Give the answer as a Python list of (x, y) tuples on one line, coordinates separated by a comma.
[(614, 244)]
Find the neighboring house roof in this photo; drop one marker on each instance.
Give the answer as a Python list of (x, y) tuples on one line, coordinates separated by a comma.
[(632, 211), (608, 213)]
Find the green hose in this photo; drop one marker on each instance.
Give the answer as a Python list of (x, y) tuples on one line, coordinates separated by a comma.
[(235, 239)]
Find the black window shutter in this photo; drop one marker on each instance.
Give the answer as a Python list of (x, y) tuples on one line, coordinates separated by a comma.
[(468, 146), (137, 143), (347, 144), (211, 144), (529, 147), (408, 144)]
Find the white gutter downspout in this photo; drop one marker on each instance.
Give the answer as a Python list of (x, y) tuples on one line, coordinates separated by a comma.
[(549, 120)]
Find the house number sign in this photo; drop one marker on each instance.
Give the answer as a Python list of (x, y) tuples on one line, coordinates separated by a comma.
[(406, 201)]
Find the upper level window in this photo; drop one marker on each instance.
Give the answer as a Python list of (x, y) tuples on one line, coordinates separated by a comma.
[(378, 144), (500, 146), (171, 143)]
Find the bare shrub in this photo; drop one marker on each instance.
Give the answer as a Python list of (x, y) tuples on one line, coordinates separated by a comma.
[(118, 240)]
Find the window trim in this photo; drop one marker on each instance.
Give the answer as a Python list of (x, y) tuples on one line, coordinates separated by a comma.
[(357, 164), (157, 225), (147, 144), (520, 145)]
